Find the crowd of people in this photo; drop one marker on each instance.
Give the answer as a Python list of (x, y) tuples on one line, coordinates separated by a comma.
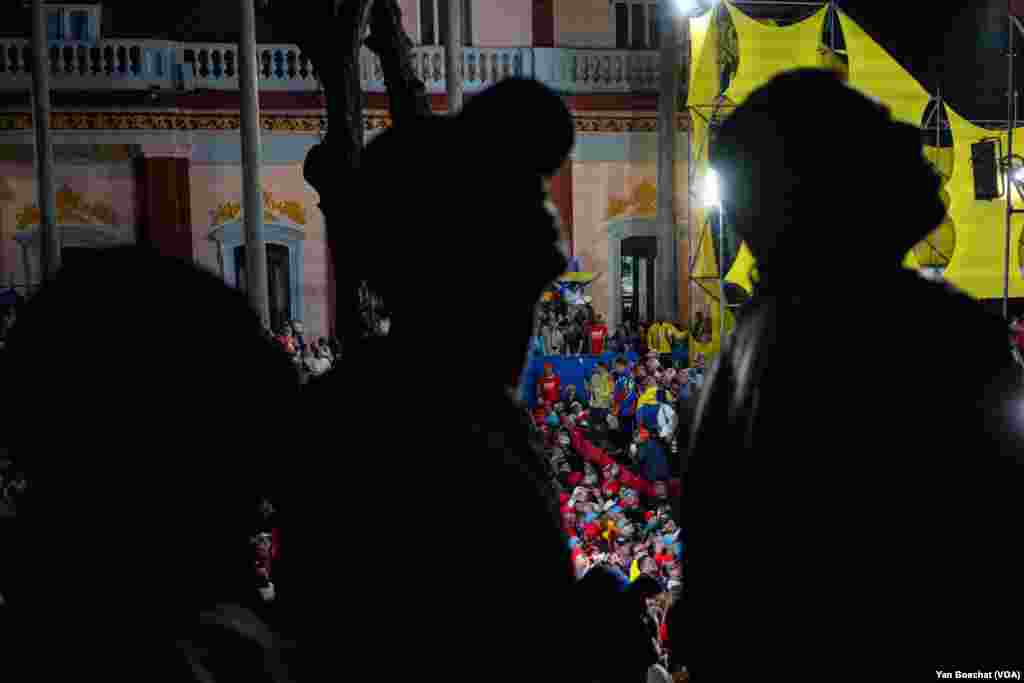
[(655, 517), (615, 448), (561, 329), (313, 359)]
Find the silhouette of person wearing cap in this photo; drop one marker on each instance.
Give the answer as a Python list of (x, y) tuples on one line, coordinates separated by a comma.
[(494, 254), (844, 492)]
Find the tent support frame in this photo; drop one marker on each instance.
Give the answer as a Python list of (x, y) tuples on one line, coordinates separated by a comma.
[(1014, 25), (716, 108)]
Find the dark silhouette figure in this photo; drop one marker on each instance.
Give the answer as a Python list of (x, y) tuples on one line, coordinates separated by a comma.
[(478, 583), (851, 490), (150, 409), (615, 614)]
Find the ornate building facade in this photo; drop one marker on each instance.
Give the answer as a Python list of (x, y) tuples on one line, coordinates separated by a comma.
[(147, 144)]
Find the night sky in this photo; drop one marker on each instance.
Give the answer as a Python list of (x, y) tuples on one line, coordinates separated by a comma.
[(956, 46)]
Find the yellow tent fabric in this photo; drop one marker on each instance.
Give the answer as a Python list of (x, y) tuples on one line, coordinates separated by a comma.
[(580, 278), (937, 248), (830, 59), (766, 51), (977, 265), (942, 158), (711, 349), (705, 265), (874, 72), (741, 269), (705, 273), (705, 82)]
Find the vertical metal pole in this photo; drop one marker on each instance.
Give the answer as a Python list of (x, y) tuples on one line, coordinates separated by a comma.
[(49, 238), (1011, 94), (723, 304), (252, 189), (832, 26), (666, 263), (453, 56)]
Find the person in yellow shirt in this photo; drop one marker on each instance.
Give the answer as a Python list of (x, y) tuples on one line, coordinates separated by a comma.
[(653, 333), (667, 339)]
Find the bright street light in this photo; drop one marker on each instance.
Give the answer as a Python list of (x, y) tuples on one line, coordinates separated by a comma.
[(687, 7), (712, 189)]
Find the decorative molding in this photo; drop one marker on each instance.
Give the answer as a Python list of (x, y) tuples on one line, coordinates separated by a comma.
[(274, 211), (165, 151), (641, 201), (232, 234), (91, 236), (586, 122), (71, 208)]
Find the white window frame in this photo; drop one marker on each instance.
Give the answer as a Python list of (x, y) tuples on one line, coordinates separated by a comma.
[(648, 8), (437, 25)]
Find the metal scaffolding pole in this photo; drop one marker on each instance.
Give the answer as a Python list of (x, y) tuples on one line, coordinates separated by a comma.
[(252, 189), (723, 305), (666, 289), (453, 56), (1011, 95), (49, 238)]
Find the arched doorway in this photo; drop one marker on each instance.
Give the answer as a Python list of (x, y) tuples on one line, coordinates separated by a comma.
[(632, 255), (638, 255)]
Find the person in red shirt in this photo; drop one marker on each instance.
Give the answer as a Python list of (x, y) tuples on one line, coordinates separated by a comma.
[(598, 335), (1017, 334), (549, 386)]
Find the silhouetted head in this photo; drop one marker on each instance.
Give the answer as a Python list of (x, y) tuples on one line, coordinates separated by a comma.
[(148, 446), (807, 162), (447, 213)]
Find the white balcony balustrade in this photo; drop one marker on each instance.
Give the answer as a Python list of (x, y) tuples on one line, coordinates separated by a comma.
[(128, 65)]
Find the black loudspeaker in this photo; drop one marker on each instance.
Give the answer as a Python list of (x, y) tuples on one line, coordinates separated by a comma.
[(986, 172)]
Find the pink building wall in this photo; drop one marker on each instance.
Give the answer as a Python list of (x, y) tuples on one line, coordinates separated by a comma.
[(108, 184), (213, 185), (502, 23), (410, 17), (595, 185), (496, 23)]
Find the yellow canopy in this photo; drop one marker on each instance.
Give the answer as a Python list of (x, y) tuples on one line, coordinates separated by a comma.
[(766, 51), (705, 265), (831, 59), (579, 278), (977, 265), (742, 267), (705, 80), (705, 273), (942, 158), (874, 72)]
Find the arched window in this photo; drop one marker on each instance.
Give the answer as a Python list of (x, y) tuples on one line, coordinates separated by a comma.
[(285, 265)]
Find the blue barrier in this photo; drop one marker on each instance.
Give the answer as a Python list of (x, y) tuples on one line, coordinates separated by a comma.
[(571, 369)]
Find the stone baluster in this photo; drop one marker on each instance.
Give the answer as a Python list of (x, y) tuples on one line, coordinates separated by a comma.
[(290, 67)]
